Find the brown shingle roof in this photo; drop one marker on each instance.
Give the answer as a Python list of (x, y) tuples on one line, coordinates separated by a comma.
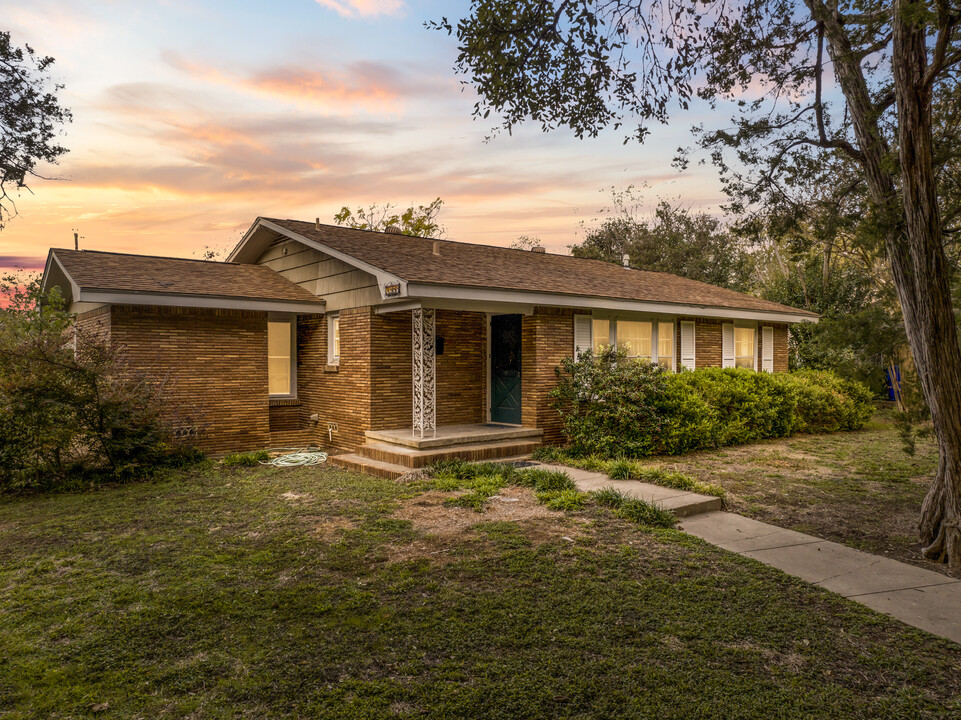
[(117, 272), (488, 266)]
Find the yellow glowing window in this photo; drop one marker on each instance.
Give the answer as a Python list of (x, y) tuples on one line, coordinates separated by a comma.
[(601, 330), (636, 337), (333, 339), (280, 358), (744, 347), (665, 344)]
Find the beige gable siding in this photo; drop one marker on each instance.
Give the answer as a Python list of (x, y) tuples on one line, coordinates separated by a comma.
[(341, 285)]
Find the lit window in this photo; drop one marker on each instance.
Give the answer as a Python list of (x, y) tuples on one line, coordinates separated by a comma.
[(636, 337), (333, 339), (665, 344), (744, 347), (280, 358), (601, 328)]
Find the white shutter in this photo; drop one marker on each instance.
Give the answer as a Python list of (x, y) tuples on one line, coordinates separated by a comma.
[(767, 349), (687, 345), (582, 334), (727, 345)]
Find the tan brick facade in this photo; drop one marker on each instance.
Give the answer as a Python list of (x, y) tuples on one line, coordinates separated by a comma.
[(708, 350), (215, 363), (780, 348), (547, 338), (371, 387)]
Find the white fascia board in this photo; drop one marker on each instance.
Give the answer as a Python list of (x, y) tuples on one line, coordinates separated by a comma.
[(398, 307), (494, 308), (521, 297), (384, 278), (244, 240), (53, 260), (197, 301)]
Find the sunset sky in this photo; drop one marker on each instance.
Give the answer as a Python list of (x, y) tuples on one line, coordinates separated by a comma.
[(193, 118)]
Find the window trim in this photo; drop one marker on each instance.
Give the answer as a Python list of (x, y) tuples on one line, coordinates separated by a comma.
[(750, 326), (613, 340), (291, 320), (332, 319)]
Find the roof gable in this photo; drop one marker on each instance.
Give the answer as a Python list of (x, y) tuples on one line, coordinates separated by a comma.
[(410, 259), (95, 276)]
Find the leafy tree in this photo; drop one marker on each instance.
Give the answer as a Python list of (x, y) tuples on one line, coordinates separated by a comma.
[(860, 330), (692, 245), (590, 64), (67, 416), (526, 242), (29, 116), (420, 221)]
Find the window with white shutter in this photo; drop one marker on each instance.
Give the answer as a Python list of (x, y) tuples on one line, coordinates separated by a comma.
[(767, 349), (727, 345), (582, 334), (687, 345)]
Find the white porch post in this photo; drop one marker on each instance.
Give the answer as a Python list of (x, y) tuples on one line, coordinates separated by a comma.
[(423, 366)]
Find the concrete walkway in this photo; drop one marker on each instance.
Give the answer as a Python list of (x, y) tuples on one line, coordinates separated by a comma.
[(922, 598), (680, 502), (915, 596)]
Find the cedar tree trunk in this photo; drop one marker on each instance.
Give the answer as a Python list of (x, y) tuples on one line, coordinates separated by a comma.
[(921, 276)]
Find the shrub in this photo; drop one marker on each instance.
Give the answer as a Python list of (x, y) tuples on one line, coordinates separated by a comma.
[(745, 406), (71, 418), (826, 402), (644, 513), (612, 406), (563, 499), (609, 497), (544, 480), (249, 459)]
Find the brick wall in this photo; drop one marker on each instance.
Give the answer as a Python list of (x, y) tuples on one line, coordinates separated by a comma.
[(462, 369), (547, 338), (94, 324), (460, 374), (336, 393), (708, 350), (214, 363), (780, 348)]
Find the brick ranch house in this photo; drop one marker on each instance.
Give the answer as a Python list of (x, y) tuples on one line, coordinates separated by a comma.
[(391, 349)]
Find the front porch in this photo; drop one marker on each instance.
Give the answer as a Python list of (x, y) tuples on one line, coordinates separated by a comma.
[(392, 453)]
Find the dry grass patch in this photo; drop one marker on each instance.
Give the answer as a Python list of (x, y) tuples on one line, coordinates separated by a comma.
[(438, 524)]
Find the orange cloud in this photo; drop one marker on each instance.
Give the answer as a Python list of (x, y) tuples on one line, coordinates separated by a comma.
[(356, 89), (364, 8), (373, 86)]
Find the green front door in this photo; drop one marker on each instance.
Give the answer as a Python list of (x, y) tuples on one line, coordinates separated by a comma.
[(506, 369)]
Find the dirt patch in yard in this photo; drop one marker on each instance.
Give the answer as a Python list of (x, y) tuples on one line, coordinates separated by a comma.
[(439, 525)]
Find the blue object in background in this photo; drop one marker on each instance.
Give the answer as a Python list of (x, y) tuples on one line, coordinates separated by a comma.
[(897, 379)]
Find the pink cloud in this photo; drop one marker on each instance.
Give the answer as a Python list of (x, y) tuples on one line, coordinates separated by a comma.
[(364, 8), (373, 86)]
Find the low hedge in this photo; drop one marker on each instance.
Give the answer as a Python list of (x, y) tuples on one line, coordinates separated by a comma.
[(616, 407)]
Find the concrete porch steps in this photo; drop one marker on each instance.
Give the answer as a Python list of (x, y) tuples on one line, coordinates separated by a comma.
[(410, 458), (391, 453), (356, 463), (456, 435)]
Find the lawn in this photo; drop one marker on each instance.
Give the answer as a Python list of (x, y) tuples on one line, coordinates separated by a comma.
[(306, 593), (858, 488)]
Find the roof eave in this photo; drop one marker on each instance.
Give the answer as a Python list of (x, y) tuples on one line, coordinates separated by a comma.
[(464, 292), (212, 302)]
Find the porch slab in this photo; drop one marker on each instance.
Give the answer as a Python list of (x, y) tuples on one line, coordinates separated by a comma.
[(448, 435)]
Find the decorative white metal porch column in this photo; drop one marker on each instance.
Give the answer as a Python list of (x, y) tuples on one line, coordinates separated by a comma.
[(424, 366)]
